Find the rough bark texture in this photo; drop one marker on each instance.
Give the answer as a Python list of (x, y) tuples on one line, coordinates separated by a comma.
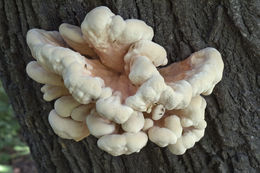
[(231, 142)]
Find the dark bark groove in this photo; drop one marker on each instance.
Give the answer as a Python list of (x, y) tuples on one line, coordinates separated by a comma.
[(232, 140)]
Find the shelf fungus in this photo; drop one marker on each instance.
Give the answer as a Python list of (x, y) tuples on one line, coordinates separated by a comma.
[(106, 80)]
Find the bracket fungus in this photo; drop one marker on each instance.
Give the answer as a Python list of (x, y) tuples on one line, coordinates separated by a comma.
[(106, 80)]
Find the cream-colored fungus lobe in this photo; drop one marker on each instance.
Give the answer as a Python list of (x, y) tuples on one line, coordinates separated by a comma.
[(105, 78)]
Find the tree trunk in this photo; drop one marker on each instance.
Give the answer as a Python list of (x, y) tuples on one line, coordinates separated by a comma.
[(231, 142)]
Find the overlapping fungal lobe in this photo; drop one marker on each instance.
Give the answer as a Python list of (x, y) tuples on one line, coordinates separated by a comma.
[(105, 81)]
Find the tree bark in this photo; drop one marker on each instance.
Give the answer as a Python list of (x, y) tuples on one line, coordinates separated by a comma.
[(231, 142)]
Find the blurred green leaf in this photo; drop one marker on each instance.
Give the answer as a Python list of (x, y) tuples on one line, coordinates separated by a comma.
[(5, 169)]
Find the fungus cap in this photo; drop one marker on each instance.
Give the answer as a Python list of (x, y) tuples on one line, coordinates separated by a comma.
[(99, 126), (67, 128), (105, 78), (126, 143)]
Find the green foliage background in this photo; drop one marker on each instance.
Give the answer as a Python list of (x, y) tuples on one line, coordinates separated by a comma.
[(11, 145)]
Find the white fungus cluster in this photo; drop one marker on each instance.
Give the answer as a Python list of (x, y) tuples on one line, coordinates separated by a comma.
[(105, 82)]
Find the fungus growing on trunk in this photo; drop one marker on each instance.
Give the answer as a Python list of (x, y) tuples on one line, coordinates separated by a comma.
[(106, 80)]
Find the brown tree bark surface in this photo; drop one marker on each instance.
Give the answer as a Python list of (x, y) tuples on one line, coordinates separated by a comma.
[(232, 139)]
